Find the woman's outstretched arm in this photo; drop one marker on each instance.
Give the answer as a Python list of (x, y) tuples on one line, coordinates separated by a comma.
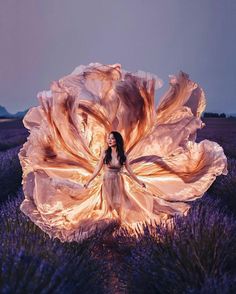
[(132, 174), (97, 170)]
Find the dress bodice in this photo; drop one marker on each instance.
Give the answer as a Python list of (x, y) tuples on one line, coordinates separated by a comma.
[(113, 165)]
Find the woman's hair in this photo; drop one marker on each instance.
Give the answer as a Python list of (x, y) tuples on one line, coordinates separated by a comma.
[(119, 148)]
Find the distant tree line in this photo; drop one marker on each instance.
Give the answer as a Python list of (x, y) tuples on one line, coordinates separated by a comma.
[(213, 114)]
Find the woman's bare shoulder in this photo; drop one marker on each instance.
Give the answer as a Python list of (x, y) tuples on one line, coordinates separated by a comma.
[(127, 158), (103, 153)]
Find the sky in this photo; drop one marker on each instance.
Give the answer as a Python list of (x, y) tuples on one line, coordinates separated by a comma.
[(41, 41)]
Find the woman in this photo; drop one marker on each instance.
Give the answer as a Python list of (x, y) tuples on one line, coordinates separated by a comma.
[(68, 133), (114, 158)]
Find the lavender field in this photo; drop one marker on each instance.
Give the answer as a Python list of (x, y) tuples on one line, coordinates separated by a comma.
[(199, 256)]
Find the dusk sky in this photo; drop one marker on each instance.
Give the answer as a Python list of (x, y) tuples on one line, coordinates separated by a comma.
[(42, 41)]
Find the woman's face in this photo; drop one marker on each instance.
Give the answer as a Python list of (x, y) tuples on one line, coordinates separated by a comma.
[(111, 141)]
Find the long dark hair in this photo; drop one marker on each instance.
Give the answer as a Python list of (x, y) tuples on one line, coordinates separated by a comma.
[(119, 149)]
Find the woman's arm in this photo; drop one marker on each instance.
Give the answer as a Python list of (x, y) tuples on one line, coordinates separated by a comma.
[(97, 170), (132, 174)]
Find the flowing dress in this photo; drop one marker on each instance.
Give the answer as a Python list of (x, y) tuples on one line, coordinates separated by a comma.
[(113, 185), (68, 132)]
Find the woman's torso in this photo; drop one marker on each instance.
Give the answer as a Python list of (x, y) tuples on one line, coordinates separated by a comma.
[(114, 165)]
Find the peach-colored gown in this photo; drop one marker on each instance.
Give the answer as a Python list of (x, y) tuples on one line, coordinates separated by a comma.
[(113, 185), (68, 133)]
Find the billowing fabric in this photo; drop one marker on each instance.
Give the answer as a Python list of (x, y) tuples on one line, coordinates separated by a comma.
[(68, 132)]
